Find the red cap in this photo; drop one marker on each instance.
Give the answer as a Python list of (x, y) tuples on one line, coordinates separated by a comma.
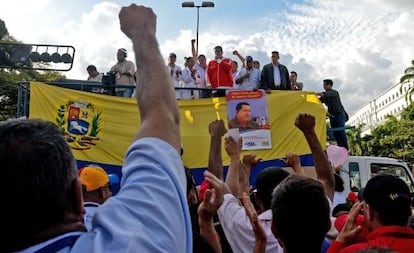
[(360, 221), (353, 196)]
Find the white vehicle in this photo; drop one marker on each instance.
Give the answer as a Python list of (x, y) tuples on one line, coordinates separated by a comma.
[(357, 170)]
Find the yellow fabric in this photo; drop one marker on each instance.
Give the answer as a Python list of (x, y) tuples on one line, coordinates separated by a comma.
[(119, 121)]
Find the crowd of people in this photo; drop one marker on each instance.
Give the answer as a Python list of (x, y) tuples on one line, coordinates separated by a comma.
[(200, 79), (157, 208), (122, 74)]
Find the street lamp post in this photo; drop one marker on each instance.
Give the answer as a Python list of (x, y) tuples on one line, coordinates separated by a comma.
[(192, 5)]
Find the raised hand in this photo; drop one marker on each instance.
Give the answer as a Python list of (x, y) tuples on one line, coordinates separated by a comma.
[(305, 122), (259, 233), (350, 231), (293, 160), (137, 20), (213, 198), (217, 128), (233, 147), (249, 160)]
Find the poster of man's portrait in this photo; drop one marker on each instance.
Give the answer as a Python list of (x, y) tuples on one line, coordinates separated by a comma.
[(247, 111)]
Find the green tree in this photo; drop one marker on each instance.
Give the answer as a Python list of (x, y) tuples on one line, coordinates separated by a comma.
[(358, 144), (9, 88), (395, 138), (3, 29)]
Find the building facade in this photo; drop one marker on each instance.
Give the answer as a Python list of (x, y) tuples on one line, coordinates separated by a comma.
[(391, 102)]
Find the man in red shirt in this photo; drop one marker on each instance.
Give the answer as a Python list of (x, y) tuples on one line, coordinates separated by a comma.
[(219, 72), (386, 205)]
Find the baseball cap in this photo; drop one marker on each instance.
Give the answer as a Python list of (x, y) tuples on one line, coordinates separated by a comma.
[(388, 194), (339, 223), (94, 177), (123, 50), (173, 55), (249, 58), (353, 196)]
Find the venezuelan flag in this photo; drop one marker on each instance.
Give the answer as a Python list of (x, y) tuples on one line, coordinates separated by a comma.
[(100, 128)]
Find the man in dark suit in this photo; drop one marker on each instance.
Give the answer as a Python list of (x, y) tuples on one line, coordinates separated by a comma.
[(275, 76)]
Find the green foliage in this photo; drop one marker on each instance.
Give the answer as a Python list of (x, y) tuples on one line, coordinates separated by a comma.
[(9, 87), (358, 145), (96, 122), (3, 29), (394, 138)]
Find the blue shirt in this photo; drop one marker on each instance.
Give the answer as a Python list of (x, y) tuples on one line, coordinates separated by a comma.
[(90, 208), (149, 213), (252, 82)]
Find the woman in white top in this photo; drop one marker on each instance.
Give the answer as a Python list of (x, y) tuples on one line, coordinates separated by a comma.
[(189, 79)]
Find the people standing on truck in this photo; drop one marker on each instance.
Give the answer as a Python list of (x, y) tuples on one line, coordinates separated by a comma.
[(235, 71), (219, 73), (94, 76), (256, 64), (124, 74), (294, 81), (201, 67), (189, 77), (275, 76), (248, 77), (175, 74), (337, 114)]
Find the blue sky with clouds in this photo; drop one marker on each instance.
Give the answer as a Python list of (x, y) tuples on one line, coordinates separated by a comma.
[(363, 45)]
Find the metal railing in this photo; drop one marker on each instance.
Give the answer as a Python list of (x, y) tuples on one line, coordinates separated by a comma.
[(23, 96)]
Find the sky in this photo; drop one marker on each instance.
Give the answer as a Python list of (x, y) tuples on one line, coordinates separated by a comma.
[(364, 46)]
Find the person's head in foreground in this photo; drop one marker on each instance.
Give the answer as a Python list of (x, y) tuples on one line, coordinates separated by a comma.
[(387, 201), (266, 181), (301, 214), (41, 184)]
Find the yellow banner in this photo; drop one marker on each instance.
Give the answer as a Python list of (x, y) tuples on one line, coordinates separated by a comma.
[(100, 128)]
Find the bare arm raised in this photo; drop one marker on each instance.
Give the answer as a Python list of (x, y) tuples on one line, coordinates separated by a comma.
[(193, 51), (215, 162), (155, 94), (306, 123)]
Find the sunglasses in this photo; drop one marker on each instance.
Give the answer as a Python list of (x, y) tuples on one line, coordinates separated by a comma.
[(109, 185)]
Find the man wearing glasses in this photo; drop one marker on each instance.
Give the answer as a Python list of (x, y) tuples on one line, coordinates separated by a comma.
[(96, 188)]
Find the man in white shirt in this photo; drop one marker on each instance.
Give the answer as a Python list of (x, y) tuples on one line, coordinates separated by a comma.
[(175, 74), (248, 78), (124, 74), (275, 76), (94, 76), (233, 218), (201, 67)]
